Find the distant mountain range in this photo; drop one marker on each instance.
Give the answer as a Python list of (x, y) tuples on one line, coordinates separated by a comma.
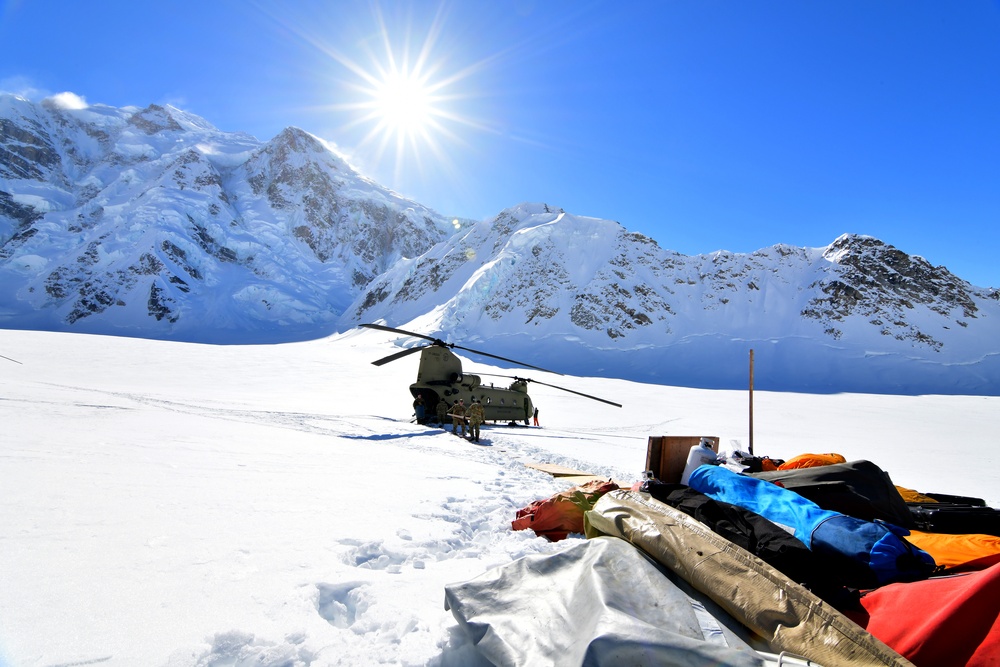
[(153, 223)]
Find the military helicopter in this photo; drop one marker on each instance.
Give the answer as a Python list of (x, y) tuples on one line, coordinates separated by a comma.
[(440, 378)]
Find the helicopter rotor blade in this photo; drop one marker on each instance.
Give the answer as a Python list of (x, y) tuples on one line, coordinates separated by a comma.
[(513, 361), (382, 327), (554, 386), (602, 400), (399, 355), (438, 341)]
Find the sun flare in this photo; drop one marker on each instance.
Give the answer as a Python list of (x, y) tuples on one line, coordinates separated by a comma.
[(405, 93), (403, 103), (407, 96)]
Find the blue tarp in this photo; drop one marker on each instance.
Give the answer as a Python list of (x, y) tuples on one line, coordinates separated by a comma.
[(874, 551)]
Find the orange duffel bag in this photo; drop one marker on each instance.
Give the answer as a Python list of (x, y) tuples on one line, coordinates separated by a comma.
[(811, 461)]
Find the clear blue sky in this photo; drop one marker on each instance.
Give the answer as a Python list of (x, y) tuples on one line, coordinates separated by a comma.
[(704, 124)]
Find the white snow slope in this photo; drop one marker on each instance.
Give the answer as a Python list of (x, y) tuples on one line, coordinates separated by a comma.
[(174, 504), (586, 296)]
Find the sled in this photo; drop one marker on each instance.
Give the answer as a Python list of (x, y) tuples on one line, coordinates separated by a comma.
[(955, 518)]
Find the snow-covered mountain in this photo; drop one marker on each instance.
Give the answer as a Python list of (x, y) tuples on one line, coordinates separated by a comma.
[(858, 315), (152, 223)]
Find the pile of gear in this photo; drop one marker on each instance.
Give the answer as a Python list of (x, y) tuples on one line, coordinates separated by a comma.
[(810, 561)]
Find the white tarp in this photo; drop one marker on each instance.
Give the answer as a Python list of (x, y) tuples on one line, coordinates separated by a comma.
[(599, 602)]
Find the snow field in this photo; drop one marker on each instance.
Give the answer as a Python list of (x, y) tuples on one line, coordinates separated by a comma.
[(179, 504)]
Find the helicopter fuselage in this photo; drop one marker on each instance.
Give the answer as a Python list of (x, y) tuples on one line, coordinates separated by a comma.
[(440, 378)]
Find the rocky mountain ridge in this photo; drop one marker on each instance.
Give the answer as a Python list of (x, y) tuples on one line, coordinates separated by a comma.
[(595, 296), (151, 222)]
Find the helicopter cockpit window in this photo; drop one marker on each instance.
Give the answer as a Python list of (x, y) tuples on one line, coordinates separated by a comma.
[(501, 401), (488, 400)]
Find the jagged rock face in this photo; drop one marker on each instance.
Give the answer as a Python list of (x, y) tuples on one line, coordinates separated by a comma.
[(302, 179), (20, 218), (530, 266), (882, 284), (26, 150), (524, 268), (153, 120), (152, 222)]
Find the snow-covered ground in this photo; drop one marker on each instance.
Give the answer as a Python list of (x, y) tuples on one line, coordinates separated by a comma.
[(171, 504)]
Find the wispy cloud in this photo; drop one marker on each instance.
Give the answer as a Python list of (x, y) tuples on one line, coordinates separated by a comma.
[(66, 101), (22, 86)]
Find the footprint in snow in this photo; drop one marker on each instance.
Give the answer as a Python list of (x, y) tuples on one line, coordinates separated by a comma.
[(341, 604)]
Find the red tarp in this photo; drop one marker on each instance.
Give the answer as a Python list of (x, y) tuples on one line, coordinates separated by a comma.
[(951, 620)]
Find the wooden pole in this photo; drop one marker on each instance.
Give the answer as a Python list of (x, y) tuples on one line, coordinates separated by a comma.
[(751, 402)]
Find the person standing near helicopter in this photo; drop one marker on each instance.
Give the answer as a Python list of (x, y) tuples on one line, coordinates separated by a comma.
[(475, 415), (458, 416), (442, 412), (419, 409)]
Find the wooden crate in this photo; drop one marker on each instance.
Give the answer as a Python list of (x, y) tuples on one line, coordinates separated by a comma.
[(666, 455)]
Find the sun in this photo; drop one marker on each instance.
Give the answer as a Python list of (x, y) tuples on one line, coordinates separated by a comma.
[(403, 93), (405, 96), (404, 104), (406, 91), (409, 92)]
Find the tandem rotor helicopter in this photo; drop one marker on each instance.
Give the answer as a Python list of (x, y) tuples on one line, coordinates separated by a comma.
[(440, 378)]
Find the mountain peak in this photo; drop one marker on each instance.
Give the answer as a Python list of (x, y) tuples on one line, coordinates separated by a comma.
[(528, 209), (299, 140), (889, 266), (155, 119)]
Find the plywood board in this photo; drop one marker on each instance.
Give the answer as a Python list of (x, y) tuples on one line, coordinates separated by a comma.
[(557, 470), (583, 479)]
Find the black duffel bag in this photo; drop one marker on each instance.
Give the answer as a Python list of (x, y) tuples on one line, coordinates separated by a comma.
[(955, 518), (857, 488)]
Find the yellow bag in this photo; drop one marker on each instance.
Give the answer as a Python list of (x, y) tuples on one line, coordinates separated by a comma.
[(911, 496)]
